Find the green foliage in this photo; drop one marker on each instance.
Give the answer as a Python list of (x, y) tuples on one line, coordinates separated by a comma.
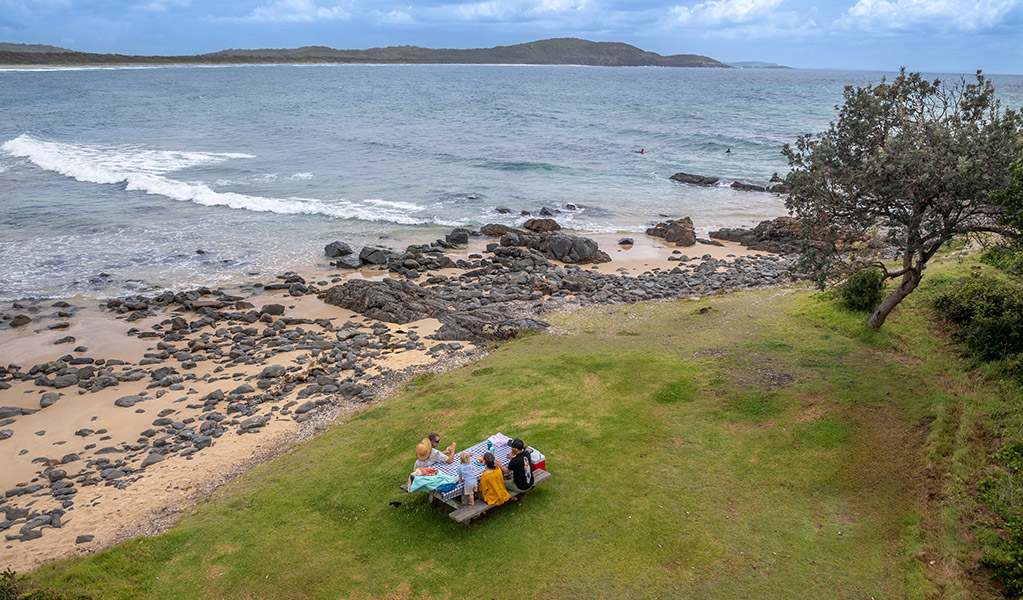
[(557, 51), (863, 291), (911, 157), (8, 585), (989, 316), (1010, 199), (1006, 258)]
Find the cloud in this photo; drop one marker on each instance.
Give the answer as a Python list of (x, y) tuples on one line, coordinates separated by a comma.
[(396, 16), (162, 5), (508, 10), (724, 12), (741, 19), (960, 16), (296, 11)]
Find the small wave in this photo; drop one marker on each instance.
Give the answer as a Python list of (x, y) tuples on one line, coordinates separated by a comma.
[(301, 176), (392, 204), (512, 165), (143, 170)]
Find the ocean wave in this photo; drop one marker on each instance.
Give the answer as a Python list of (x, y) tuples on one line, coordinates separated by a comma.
[(514, 165), (138, 169), (298, 176)]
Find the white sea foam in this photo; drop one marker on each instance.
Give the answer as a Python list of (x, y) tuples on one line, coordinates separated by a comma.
[(145, 170), (301, 176)]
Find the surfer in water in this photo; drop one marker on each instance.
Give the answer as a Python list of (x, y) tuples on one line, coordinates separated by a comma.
[(640, 151), (729, 151)]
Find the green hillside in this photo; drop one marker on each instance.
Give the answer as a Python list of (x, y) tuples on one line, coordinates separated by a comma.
[(760, 444), (561, 51)]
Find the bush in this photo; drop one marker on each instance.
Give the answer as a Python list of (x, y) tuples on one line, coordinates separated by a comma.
[(863, 291), (989, 314), (1006, 258)]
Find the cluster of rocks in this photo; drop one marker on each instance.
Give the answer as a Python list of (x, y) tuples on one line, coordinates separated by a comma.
[(86, 373), (335, 367), (779, 186), (543, 212), (18, 318), (31, 521), (494, 295)]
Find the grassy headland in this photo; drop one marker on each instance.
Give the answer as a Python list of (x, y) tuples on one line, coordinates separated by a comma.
[(759, 444), (558, 51)]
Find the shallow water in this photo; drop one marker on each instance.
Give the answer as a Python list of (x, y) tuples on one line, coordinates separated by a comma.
[(111, 179)]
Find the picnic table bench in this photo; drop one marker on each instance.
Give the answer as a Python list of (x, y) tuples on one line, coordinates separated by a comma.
[(453, 498)]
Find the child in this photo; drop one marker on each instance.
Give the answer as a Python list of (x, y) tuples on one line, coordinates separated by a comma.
[(492, 482), (469, 482)]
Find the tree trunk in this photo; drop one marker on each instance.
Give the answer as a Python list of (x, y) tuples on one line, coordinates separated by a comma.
[(909, 282)]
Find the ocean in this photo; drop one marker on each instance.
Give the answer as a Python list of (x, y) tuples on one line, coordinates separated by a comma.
[(118, 180)]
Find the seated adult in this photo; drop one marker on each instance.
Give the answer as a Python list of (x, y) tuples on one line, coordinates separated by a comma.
[(520, 466), (427, 453)]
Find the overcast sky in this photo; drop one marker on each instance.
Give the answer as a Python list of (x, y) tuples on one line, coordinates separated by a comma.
[(928, 35)]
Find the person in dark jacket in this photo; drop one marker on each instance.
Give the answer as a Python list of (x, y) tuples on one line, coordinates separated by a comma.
[(520, 466)]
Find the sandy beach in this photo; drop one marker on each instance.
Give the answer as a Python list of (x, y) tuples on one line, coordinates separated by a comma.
[(109, 454)]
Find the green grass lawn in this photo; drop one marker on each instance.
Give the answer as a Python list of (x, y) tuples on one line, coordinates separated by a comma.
[(770, 447)]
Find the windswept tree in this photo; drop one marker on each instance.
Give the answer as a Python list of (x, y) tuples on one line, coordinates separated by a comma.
[(913, 160)]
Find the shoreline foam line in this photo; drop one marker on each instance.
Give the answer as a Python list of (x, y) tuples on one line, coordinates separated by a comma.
[(145, 170)]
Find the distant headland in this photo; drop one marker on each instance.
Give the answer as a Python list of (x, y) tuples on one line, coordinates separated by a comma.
[(557, 51)]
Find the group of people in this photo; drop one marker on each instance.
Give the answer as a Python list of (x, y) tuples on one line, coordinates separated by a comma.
[(497, 483)]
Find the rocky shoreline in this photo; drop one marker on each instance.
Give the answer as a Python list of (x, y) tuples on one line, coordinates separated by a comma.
[(224, 365)]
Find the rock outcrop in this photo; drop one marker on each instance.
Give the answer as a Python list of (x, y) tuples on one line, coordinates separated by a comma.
[(780, 236), (542, 225), (566, 248), (387, 300), (694, 179), (680, 232), (484, 324)]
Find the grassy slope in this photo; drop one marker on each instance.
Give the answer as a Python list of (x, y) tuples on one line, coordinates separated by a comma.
[(770, 447)]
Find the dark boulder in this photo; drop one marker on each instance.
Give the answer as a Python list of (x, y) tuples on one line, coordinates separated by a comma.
[(387, 300), (272, 309), (348, 262), (747, 187), (497, 230), (375, 255), (694, 179), (679, 232), (542, 225), (20, 320), (458, 236), (337, 249)]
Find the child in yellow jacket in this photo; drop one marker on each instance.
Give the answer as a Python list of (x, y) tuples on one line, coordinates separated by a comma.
[(491, 484)]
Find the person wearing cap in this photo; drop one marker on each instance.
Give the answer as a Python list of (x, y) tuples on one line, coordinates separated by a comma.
[(520, 466), (428, 454)]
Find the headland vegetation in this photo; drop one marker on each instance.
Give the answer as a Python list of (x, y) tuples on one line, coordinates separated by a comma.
[(557, 51)]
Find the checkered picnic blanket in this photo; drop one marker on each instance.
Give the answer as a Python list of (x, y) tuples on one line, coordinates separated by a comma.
[(500, 453)]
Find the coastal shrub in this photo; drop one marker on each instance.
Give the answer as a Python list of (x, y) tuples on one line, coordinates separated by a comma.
[(863, 291), (1006, 258), (989, 316), (1005, 558), (8, 585)]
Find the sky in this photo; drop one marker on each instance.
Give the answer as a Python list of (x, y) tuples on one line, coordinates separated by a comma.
[(944, 36)]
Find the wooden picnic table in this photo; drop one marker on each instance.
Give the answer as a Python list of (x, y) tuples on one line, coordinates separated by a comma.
[(453, 498)]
